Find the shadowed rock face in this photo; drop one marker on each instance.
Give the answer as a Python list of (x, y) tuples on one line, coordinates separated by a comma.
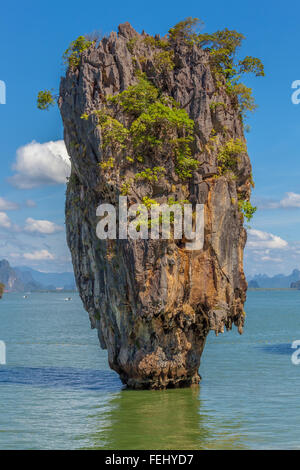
[(152, 301)]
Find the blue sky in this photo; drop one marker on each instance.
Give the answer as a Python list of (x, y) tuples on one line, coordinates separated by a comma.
[(34, 35)]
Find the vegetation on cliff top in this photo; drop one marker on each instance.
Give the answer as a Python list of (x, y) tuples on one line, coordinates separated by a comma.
[(155, 123), (222, 47), (72, 55), (156, 126)]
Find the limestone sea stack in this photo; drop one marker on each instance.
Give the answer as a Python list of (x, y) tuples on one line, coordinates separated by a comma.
[(175, 136)]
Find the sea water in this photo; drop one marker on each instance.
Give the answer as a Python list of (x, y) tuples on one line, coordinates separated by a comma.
[(57, 391)]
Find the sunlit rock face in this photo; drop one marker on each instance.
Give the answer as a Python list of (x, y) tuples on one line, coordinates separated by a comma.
[(153, 302)]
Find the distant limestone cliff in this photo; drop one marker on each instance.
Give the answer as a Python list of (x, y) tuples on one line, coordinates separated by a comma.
[(24, 279), (153, 119), (295, 285), (279, 281), (9, 277)]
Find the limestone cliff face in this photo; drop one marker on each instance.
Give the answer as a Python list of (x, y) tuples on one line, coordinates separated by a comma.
[(153, 302), (9, 278)]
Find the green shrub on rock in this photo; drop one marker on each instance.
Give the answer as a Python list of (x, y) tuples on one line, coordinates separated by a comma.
[(246, 208), (228, 156), (45, 100), (72, 55), (137, 98)]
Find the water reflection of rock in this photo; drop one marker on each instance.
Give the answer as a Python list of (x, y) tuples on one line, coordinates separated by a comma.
[(170, 419)]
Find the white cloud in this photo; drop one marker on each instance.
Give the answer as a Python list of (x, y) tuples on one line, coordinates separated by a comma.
[(7, 205), (38, 255), (272, 259), (41, 226), (41, 164), (289, 201), (14, 255), (5, 220), (264, 240), (30, 203)]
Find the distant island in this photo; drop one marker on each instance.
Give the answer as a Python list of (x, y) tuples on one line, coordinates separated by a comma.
[(278, 281), (295, 285), (25, 279), (253, 285)]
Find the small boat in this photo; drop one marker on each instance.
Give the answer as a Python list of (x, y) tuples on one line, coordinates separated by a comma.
[(25, 296), (67, 299)]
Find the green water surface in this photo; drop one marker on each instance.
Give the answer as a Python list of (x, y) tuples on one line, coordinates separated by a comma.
[(57, 392)]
